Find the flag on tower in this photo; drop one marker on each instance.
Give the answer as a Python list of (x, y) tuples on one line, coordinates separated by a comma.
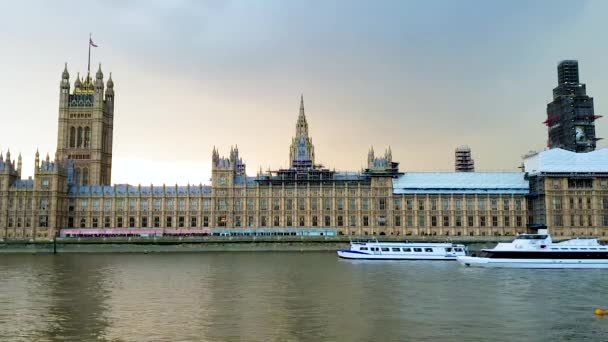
[(91, 42)]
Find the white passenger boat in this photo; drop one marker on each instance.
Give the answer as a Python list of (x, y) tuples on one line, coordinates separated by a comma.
[(374, 250), (539, 251)]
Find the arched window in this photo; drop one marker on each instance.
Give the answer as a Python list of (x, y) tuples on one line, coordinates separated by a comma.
[(87, 137), (85, 176), (77, 173), (79, 142), (72, 137)]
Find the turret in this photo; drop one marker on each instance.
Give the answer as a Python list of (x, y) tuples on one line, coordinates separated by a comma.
[(37, 160), (77, 83), (99, 81), (19, 165)]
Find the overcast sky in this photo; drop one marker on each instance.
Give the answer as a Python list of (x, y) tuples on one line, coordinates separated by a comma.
[(420, 76)]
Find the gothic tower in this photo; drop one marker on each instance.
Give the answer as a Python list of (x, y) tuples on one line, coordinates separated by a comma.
[(86, 118), (301, 151)]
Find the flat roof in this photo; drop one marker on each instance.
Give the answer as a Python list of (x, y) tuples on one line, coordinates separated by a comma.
[(558, 160), (461, 183)]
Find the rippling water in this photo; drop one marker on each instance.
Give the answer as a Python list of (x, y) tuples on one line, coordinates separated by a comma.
[(294, 296)]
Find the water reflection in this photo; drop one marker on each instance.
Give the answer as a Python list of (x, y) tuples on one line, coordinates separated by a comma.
[(289, 296)]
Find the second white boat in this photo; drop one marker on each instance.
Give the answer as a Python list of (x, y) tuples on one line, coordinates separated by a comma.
[(374, 250)]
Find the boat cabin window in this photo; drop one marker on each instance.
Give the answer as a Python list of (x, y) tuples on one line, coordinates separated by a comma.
[(395, 249), (363, 248), (407, 249), (593, 249), (458, 249), (449, 249), (385, 249), (531, 237), (417, 249), (574, 249), (583, 249), (563, 249), (556, 249), (428, 249)]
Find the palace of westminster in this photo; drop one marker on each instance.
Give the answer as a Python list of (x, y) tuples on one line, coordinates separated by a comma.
[(564, 187)]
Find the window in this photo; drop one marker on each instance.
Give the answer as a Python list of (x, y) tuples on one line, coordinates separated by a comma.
[(507, 221), (417, 249), (384, 249), (156, 221), (397, 203), (397, 221), (409, 221), (327, 221), (263, 204), (365, 221), (205, 221), (314, 221), (505, 204), (395, 249), (518, 221), (301, 221), (237, 221), (494, 204), (429, 250), (106, 222), (328, 204), (193, 204), (421, 221), (382, 203), (131, 222), (446, 221), (207, 204), (494, 221), (482, 221), (301, 204), (352, 204), (409, 204), (557, 203), (353, 221), (420, 204), (72, 137), (433, 204), (340, 221), (144, 222), (83, 222), (445, 204), (169, 222), (433, 221), (407, 249), (181, 221), (289, 204), (275, 221), (458, 221), (182, 204), (193, 221), (482, 204), (365, 204), (221, 204)]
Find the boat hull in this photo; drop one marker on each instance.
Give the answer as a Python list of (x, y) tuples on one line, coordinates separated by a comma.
[(349, 254), (532, 263)]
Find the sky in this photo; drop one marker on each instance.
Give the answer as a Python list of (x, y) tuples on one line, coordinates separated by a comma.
[(422, 77)]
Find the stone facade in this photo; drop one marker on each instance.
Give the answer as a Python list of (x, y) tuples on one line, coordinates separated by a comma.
[(378, 200)]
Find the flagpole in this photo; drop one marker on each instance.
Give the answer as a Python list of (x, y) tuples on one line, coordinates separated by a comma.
[(89, 65)]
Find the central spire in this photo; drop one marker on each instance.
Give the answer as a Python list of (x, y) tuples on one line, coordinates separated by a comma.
[(301, 152), (302, 125)]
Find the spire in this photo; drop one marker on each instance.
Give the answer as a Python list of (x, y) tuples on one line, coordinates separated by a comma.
[(8, 156), (37, 161), (99, 74), (47, 157), (19, 164), (77, 83), (302, 105), (110, 82), (65, 75)]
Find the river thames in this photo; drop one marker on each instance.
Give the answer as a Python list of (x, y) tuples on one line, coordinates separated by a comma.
[(290, 296)]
